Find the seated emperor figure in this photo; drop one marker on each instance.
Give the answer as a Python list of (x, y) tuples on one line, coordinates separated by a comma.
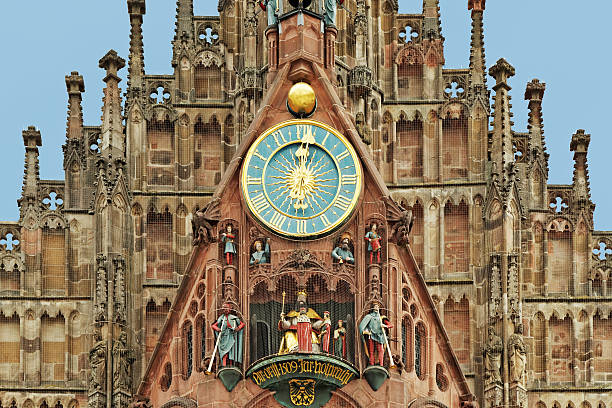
[(300, 328)]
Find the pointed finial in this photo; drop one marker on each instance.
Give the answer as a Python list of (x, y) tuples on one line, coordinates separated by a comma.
[(74, 83), (476, 5), (580, 141), (137, 7), (112, 63), (535, 90), (31, 137), (75, 86), (501, 71)]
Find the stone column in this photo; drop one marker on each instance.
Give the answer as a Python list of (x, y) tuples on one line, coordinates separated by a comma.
[(441, 241)]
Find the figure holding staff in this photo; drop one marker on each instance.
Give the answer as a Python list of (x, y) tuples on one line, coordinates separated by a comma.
[(373, 328)]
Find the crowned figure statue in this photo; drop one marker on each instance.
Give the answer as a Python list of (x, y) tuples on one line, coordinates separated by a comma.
[(300, 328)]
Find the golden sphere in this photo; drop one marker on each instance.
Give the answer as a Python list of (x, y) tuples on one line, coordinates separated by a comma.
[(302, 99)]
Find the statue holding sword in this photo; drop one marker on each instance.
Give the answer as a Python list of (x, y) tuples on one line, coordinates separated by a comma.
[(229, 338)]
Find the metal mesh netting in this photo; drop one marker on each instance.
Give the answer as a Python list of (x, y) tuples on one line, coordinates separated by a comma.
[(266, 307)]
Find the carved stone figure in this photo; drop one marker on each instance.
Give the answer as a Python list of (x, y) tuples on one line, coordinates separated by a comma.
[(300, 327), (360, 124), (203, 221), (331, 8), (342, 253), (122, 360), (261, 254), (371, 328), (402, 227), (517, 355), (229, 249), (374, 242), (97, 363), (340, 340), (230, 344), (493, 353)]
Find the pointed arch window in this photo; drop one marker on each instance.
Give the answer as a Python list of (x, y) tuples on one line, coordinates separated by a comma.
[(188, 348), (420, 350), (410, 148), (407, 342), (207, 80)]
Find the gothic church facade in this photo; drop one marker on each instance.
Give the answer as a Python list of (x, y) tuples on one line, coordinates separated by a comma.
[(90, 271)]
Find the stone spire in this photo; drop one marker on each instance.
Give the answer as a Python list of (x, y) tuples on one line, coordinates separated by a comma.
[(112, 127), (136, 72), (432, 28), (501, 149), (582, 190), (478, 75), (534, 93), (75, 86), (31, 177), (184, 20)]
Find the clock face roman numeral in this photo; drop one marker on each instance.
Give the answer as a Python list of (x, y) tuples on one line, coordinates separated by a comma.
[(253, 180), (343, 155), (305, 133), (259, 155), (303, 172), (342, 202), (260, 203), (349, 179), (278, 136), (278, 220), (301, 226)]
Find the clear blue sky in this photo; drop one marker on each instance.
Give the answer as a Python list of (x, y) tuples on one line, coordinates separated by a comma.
[(563, 43)]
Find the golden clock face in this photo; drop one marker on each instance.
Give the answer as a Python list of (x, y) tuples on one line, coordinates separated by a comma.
[(301, 179)]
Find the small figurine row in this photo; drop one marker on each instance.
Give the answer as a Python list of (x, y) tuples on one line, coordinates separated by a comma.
[(303, 331), (342, 253)]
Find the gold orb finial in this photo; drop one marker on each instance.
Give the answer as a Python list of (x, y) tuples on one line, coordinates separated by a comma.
[(301, 100)]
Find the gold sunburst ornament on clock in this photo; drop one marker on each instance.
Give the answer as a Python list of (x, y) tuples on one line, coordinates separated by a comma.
[(301, 179)]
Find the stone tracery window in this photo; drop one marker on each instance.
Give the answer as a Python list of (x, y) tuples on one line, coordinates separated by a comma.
[(207, 81)]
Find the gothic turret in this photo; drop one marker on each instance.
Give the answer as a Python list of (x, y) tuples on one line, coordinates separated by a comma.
[(112, 128), (432, 27), (183, 33), (31, 177), (136, 72), (478, 76), (582, 190), (74, 149), (501, 148)]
